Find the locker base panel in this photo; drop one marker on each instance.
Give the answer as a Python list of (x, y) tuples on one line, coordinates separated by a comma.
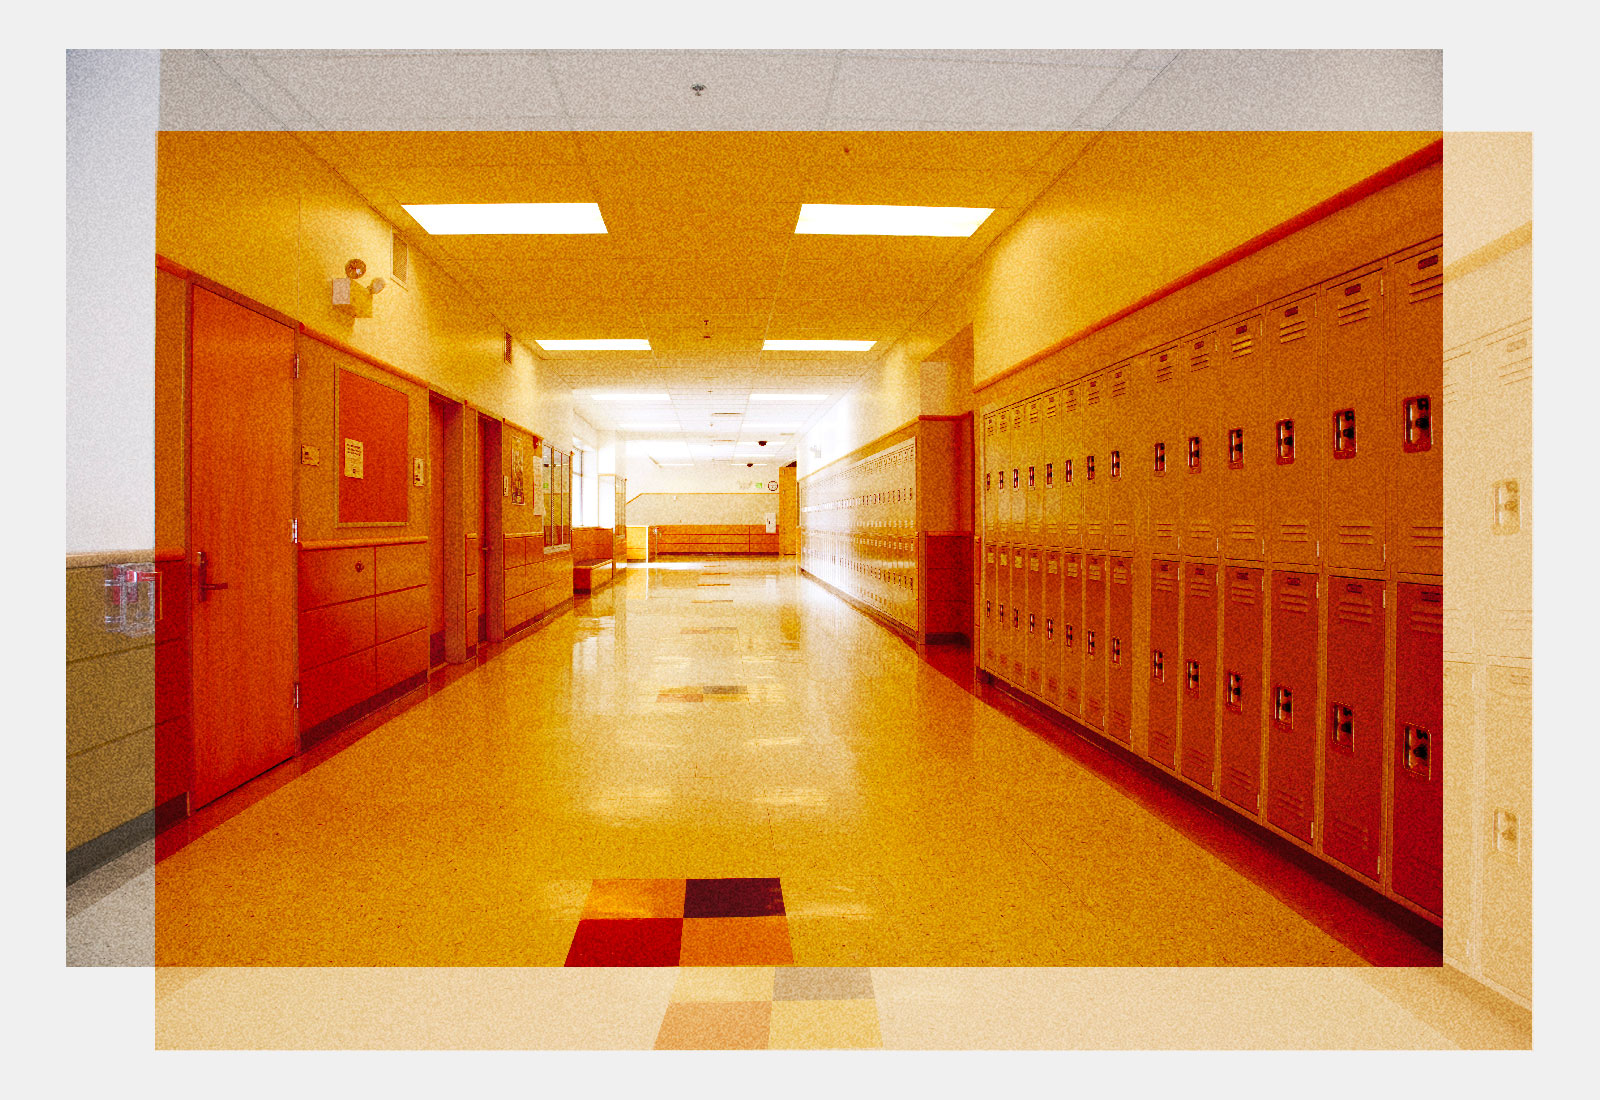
[(1425, 936)]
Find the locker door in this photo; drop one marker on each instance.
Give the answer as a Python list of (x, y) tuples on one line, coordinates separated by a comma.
[(1416, 375), (1002, 475), (1050, 472), (1018, 449), (1072, 633), (1019, 616), (1419, 757), (1292, 717), (1204, 452), (1357, 425), (1352, 739), (1033, 612), (1002, 606), (1119, 649), (1094, 463), (1245, 431), (1297, 449), (1070, 473), (1120, 428), (1197, 708), (1165, 667), (1163, 453), (990, 594), (1095, 643), (1050, 630), (1242, 624), (1033, 473)]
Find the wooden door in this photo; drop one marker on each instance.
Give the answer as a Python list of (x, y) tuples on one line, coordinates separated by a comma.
[(436, 543), (241, 511)]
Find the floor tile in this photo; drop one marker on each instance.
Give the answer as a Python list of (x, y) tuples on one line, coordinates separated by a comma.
[(825, 1025), (733, 897), (736, 941), (822, 983), (724, 983), (635, 897), (648, 942), (726, 1025)]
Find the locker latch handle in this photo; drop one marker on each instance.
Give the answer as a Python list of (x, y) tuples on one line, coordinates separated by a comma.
[(1283, 708), (1235, 699), (1116, 651), (1341, 727), (1344, 433), (1089, 639), (1161, 458), (1192, 676), (1158, 666), (1418, 424), (1285, 442), (1418, 751)]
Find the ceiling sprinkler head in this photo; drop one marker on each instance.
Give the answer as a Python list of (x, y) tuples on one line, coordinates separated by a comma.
[(697, 88)]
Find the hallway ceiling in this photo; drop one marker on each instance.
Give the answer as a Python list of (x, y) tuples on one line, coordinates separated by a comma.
[(700, 192)]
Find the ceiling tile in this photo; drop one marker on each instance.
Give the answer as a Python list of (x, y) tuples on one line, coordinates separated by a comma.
[(1113, 59), (746, 85), (197, 95), (966, 93), (459, 84)]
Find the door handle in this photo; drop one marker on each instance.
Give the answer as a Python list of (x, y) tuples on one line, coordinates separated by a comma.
[(205, 585)]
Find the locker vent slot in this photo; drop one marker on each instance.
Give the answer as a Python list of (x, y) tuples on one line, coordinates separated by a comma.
[(1426, 279), (1072, 568), (1166, 531), (1286, 805), (1515, 360), (1200, 586), (1201, 531), (1243, 531), (1353, 305), (1074, 528), (1351, 836), (1356, 534), (1355, 607), (1295, 601), (1200, 355), (1070, 401), (1289, 531), (1164, 367), (1121, 529), (1242, 342), (1293, 324), (1119, 573), (1094, 571), (1427, 538), (1164, 580), (1119, 384), (1237, 779), (1096, 530), (1426, 619), (1049, 406), (1094, 392), (1242, 590)]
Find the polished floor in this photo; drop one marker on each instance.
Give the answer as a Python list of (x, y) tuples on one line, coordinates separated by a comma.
[(714, 782)]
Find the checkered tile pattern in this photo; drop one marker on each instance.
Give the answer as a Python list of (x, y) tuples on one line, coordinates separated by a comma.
[(683, 922), (771, 1008)]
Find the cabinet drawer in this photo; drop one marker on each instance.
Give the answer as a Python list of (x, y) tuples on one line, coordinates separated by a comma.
[(334, 576), (403, 566), (328, 633), (335, 687), (401, 658), (402, 612)]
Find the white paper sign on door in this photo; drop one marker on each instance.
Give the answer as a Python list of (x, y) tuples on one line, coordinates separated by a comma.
[(772, 523)]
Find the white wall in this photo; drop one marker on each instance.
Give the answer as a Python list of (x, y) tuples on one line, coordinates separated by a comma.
[(113, 103), (719, 492)]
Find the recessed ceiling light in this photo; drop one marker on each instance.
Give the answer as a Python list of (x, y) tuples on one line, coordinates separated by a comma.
[(594, 345), (630, 397), (891, 221), (817, 345), (445, 218), (651, 426), (771, 427), (788, 397)]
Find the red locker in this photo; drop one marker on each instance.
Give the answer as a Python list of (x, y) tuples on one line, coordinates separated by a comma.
[(1203, 451), (1119, 649), (1418, 779), (1122, 466), (1163, 455), (1358, 426), (1242, 625), (1246, 429), (1416, 381), (1197, 732), (1016, 445), (1072, 633), (1069, 472), (1094, 640), (1292, 719), (1093, 451), (1050, 451), (1002, 612), (991, 462), (1033, 627), (1032, 472), (1352, 739), (1165, 667), (990, 595), (1016, 664), (1296, 405), (1050, 631)]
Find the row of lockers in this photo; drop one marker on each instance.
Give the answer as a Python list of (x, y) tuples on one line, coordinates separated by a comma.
[(1265, 688), (877, 494), (878, 570), (1304, 432)]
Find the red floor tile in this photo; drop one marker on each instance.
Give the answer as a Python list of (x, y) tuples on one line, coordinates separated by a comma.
[(651, 941)]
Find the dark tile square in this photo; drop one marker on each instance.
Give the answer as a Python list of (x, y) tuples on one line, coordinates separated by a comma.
[(648, 941), (733, 897)]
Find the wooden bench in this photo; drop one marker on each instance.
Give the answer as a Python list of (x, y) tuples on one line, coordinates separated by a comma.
[(591, 574)]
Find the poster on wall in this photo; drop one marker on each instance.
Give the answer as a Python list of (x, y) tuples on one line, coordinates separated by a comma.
[(354, 458), (541, 485), (519, 464)]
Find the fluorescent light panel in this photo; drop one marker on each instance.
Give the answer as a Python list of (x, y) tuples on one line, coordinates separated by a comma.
[(891, 221), (594, 345), (788, 397), (448, 218), (817, 345), (630, 397)]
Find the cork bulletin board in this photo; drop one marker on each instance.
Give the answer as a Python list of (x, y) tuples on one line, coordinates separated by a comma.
[(371, 451)]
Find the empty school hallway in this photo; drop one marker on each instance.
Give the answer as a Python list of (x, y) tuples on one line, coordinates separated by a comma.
[(726, 719)]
